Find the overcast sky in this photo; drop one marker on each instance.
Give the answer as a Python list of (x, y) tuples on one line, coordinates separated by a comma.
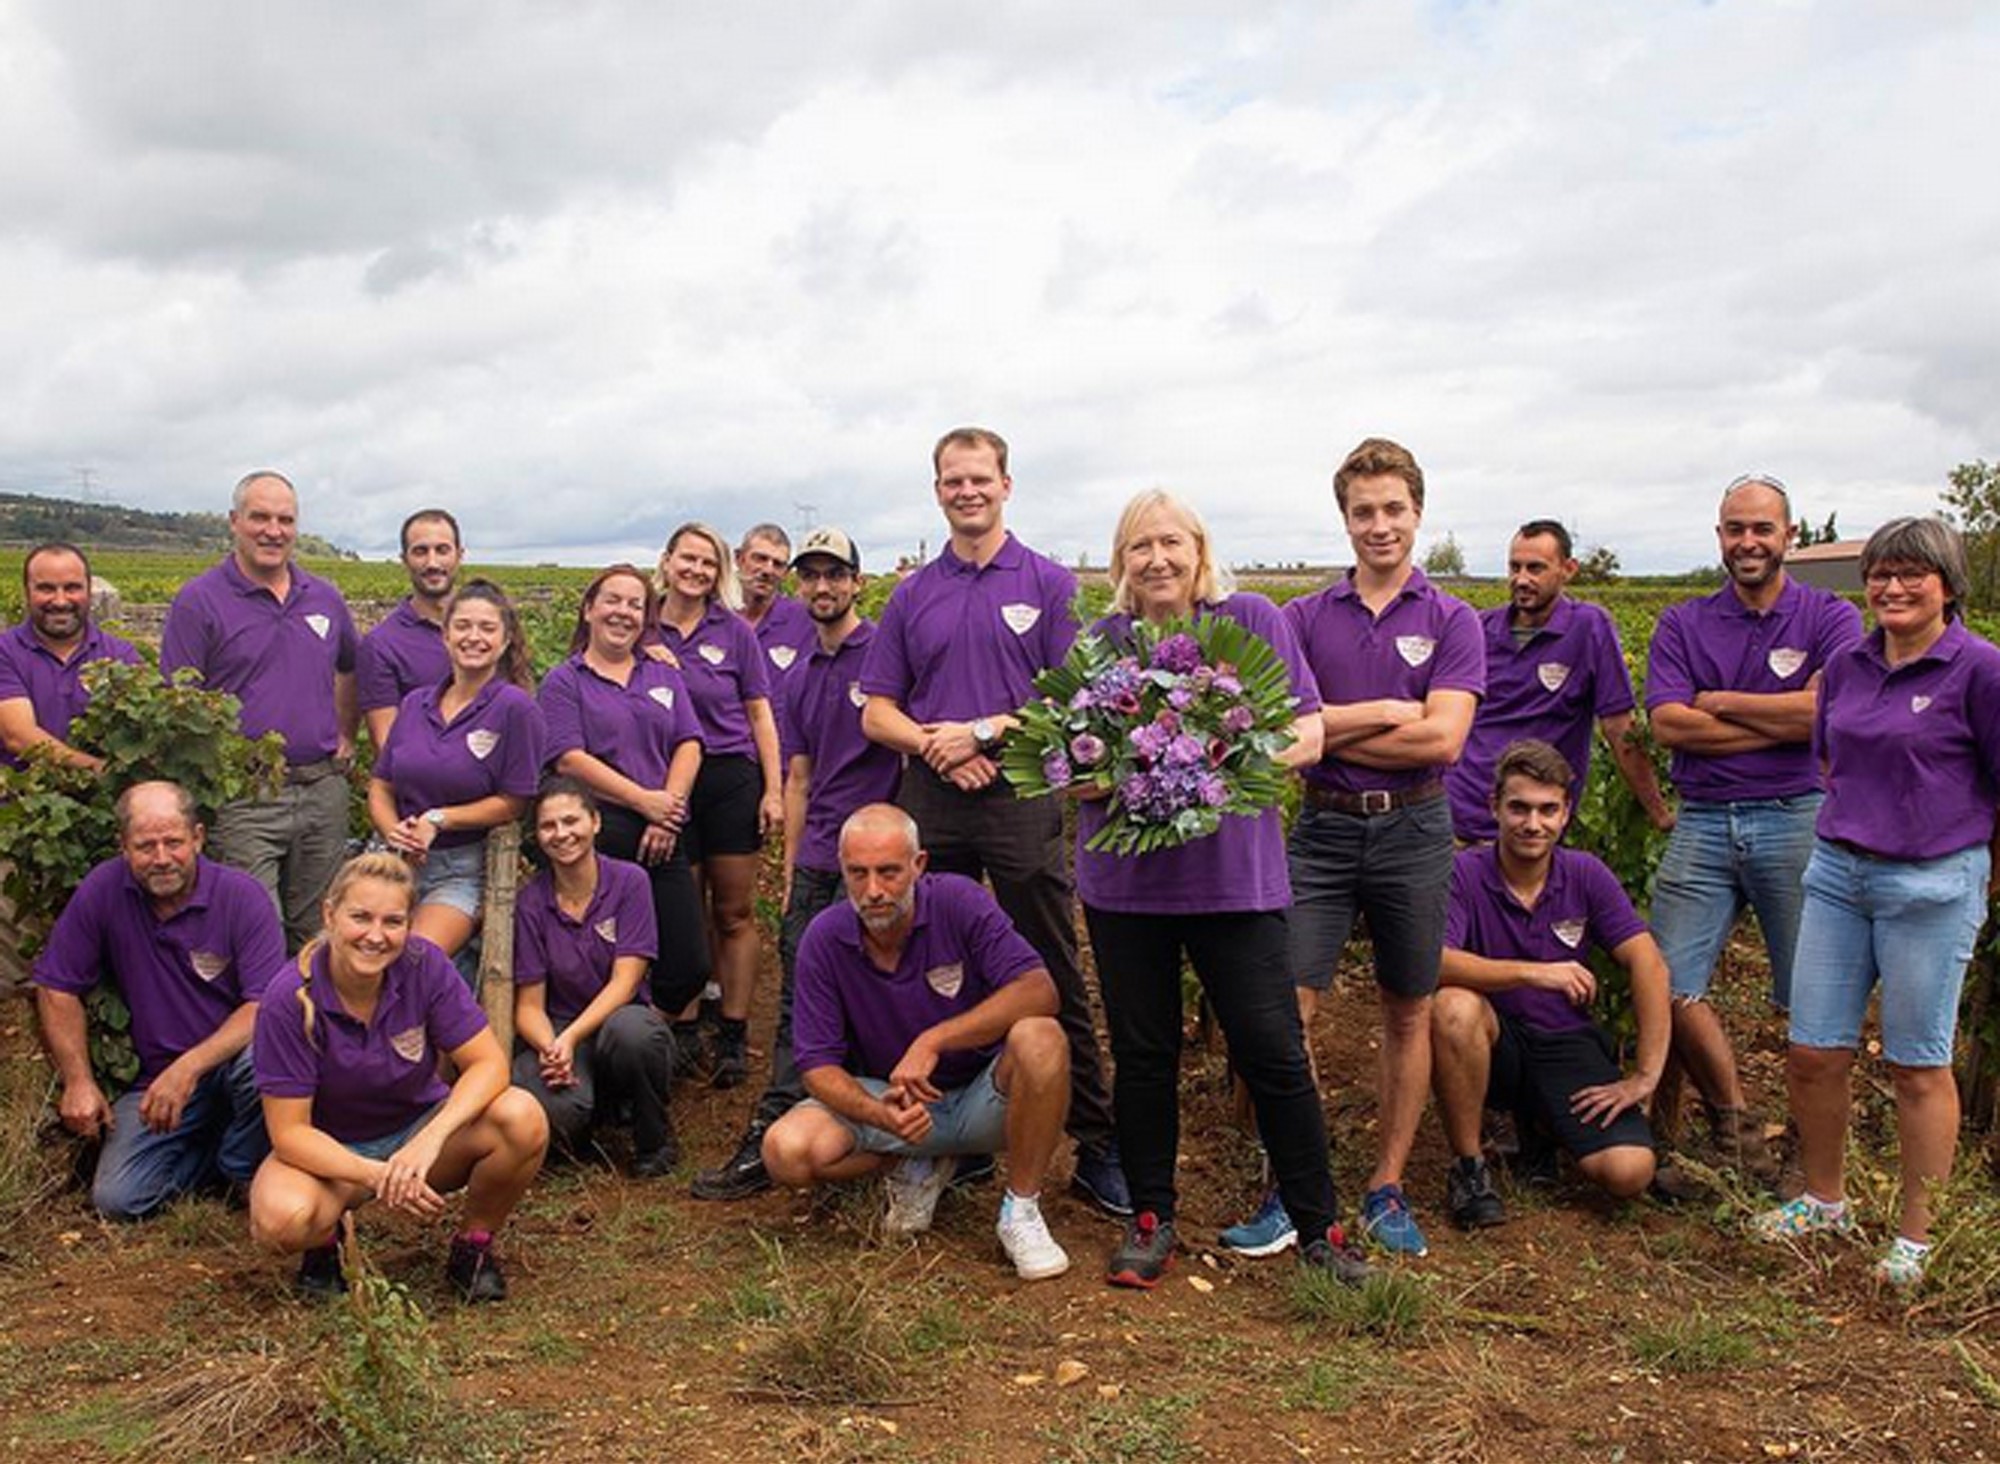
[(580, 271)]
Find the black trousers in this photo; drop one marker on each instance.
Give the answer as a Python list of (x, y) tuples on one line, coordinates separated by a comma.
[(681, 969), (1017, 846), (1243, 962), (812, 891)]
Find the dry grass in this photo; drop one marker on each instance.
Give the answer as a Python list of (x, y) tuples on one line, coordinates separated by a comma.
[(263, 1402)]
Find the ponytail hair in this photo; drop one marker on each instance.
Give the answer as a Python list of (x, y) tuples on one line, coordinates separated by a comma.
[(378, 864)]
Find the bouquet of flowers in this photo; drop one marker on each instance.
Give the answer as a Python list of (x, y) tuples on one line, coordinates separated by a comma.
[(1180, 726)]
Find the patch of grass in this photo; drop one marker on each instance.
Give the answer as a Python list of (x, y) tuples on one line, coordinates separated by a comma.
[(940, 1326), (105, 1422), (1962, 1282), (1985, 1386), (1391, 1305), (31, 1172), (1138, 1431), (1332, 1384), (834, 1341), (1692, 1343)]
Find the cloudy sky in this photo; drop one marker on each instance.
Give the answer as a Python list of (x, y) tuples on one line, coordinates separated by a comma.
[(579, 271)]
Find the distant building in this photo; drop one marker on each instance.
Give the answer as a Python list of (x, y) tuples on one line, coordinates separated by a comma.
[(1835, 566)]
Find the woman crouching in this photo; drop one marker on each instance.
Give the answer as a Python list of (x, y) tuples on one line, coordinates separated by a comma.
[(346, 1051)]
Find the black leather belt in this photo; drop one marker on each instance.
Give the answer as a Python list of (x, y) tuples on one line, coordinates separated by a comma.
[(1375, 801)]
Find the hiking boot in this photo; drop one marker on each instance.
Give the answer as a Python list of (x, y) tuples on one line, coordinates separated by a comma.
[(473, 1268), (1737, 1135), (691, 1055), (1265, 1233), (657, 1163), (1024, 1235), (1143, 1256), (1100, 1179), (1386, 1222), (1333, 1254), (1801, 1217), (914, 1186), (1470, 1200), (729, 1055), (321, 1275), (1672, 1184), (740, 1176)]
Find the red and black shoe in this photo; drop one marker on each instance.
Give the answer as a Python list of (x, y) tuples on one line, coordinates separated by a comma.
[(1142, 1257)]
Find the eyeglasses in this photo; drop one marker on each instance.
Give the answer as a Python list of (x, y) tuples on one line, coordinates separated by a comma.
[(1911, 577), (832, 574)]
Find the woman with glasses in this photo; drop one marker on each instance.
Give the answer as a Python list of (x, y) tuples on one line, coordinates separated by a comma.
[(1908, 731)]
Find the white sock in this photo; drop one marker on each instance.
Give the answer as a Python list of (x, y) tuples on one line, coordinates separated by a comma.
[(1014, 1205), (1832, 1208)]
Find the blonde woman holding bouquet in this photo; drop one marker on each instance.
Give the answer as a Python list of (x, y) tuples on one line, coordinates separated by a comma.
[(1219, 900)]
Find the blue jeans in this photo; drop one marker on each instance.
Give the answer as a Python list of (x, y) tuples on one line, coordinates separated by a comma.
[(221, 1132), (968, 1120), (1909, 924), (1720, 857)]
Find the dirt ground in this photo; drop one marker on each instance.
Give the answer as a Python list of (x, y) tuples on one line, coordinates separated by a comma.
[(644, 1323)]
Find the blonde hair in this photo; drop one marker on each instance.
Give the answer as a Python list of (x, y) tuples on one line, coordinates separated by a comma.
[(378, 864), (726, 588), (1213, 583)]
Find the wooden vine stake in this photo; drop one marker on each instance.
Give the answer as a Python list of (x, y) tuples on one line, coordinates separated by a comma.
[(496, 937)]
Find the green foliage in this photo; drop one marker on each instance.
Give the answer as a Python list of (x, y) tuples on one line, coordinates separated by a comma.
[(1599, 566), (1445, 557), (1390, 1306), (1134, 1431), (1826, 533), (1693, 1343), (1972, 502), (383, 1387)]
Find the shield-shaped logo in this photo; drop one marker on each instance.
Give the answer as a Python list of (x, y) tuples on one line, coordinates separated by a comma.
[(1918, 703), (1785, 661), (856, 695), (320, 625), (409, 1044), (1569, 932), (711, 654), (783, 656), (207, 964), (946, 980), (1415, 649), (480, 742), (664, 695), (1020, 618), (607, 929), (1552, 674)]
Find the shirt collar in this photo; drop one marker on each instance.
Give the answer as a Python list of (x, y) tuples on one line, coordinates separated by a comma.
[(1561, 617), (853, 935), (204, 888), (1733, 606), (328, 1000), (1009, 556), (1495, 880), (857, 639), (1417, 585), (86, 649), (242, 584), (1943, 651)]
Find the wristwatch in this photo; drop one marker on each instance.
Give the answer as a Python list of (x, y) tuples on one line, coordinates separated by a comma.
[(985, 734), (435, 818)]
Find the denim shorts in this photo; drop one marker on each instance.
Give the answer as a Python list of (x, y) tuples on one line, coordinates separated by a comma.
[(968, 1120), (387, 1144), (454, 878), (1907, 924), (1721, 857), (1395, 870)]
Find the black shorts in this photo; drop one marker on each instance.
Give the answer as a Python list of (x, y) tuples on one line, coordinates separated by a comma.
[(722, 809), (1534, 1073)]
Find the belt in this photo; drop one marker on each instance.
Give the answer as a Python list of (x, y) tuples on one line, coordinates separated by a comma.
[(300, 775), (1375, 801)]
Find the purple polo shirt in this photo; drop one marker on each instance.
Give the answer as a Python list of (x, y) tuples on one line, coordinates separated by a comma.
[(786, 636), (402, 654), (181, 977), (723, 667), (822, 721), (1716, 643), (635, 727), (848, 1013), (1570, 674), (52, 686), (574, 957), (365, 1081), (1423, 641), (1912, 752), (278, 659), (493, 745), (1581, 906), (1241, 866), (959, 642)]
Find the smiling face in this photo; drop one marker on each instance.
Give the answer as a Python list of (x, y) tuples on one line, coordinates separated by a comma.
[(616, 615), (828, 588), (58, 594), (1907, 599), (691, 566), (367, 926), (971, 489), (566, 829), (1754, 534), (1381, 518), (1159, 562), (266, 528), (431, 558), (475, 636), (1532, 816), (161, 847)]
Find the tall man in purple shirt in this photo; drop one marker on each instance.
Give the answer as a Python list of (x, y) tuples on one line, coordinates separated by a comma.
[(1400, 669), (406, 650), (1730, 688), (926, 1029), (42, 658), (189, 944), (279, 639), (785, 632), (960, 644), (833, 771), (1552, 665)]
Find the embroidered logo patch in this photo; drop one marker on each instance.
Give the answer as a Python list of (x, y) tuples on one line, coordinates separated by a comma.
[(710, 654), (1552, 674), (207, 964), (1918, 703), (480, 742), (1785, 661), (607, 929), (664, 695), (320, 625), (1569, 932), (783, 656), (409, 1045), (856, 695), (1020, 618), (1415, 649), (946, 980)]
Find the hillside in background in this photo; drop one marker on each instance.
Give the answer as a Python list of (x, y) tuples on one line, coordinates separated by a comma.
[(27, 519)]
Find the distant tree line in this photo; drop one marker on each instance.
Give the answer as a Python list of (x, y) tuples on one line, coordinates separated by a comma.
[(30, 519)]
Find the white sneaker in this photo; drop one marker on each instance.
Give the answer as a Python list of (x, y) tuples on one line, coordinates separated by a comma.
[(1024, 1235), (914, 1186)]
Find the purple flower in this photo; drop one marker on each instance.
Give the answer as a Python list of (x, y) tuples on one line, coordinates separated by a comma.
[(1149, 740), (1180, 698), (1083, 701), (1179, 653), (1238, 720), (1186, 750), (1125, 704), (1087, 749), (1055, 768), (1228, 685), (1212, 790)]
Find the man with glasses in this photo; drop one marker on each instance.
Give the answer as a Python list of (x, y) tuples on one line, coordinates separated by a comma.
[(1730, 687)]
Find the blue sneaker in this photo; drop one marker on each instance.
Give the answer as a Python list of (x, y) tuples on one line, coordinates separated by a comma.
[(1100, 1179), (1387, 1222), (1265, 1233)]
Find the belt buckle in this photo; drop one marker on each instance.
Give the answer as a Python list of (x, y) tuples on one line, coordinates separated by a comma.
[(1375, 801)]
